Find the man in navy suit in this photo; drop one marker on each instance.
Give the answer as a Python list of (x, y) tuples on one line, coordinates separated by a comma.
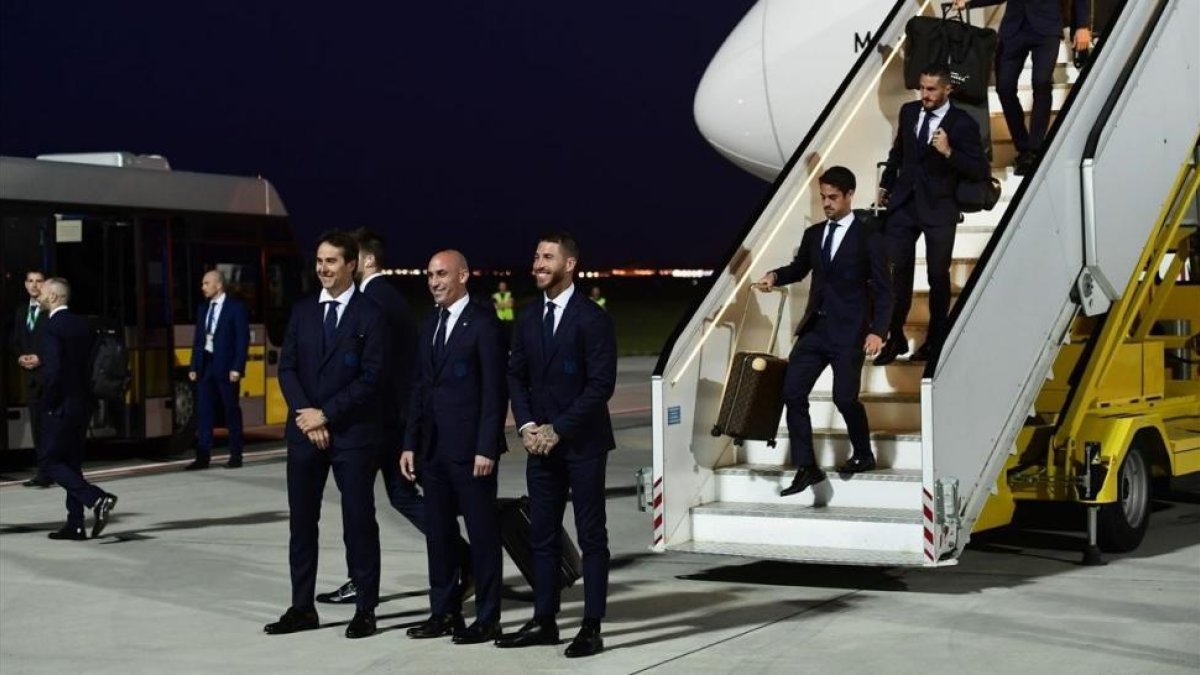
[(1032, 28), (456, 426), (334, 353), (849, 305), (28, 322), (219, 346), (396, 383), (66, 406), (936, 146), (561, 373)]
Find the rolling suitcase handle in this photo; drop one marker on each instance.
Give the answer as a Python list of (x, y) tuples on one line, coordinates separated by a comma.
[(783, 294)]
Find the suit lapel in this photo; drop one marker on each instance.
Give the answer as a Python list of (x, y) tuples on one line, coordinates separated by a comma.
[(570, 315), (456, 335), (849, 245), (348, 315)]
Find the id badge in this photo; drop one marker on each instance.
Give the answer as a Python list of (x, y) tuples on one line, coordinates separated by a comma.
[(208, 342)]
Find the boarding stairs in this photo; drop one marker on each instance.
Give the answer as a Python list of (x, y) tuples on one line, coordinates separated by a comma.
[(940, 432)]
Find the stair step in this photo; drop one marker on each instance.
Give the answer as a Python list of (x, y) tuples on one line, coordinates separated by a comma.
[(809, 554), (761, 483), (897, 448), (881, 529), (960, 271), (969, 240), (887, 410), (919, 312), (1058, 96), (898, 376)]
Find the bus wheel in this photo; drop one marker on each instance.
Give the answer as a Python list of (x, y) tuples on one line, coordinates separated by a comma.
[(1123, 523), (184, 415)]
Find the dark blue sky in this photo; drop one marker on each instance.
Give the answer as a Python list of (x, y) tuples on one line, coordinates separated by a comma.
[(469, 124)]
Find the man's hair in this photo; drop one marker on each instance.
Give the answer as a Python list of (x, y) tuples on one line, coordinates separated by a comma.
[(839, 177), (370, 243), (35, 270), (342, 240), (59, 286), (565, 241), (938, 70)]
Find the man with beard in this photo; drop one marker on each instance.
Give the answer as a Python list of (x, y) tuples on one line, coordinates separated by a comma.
[(329, 368), (937, 145), (456, 425), (846, 318), (561, 373), (28, 322)]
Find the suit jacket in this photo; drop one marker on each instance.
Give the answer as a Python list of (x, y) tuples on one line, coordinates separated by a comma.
[(917, 172), (854, 290), (457, 404), (402, 351), (1042, 17), (342, 380), (23, 341), (231, 338), (66, 365), (570, 386)]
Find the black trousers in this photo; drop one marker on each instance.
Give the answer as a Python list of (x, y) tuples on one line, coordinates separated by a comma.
[(1010, 59), (450, 489), (903, 228), (812, 353)]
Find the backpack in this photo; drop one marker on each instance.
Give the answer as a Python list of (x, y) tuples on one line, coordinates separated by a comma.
[(110, 365)]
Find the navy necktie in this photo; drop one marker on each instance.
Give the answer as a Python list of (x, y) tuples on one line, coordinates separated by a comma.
[(923, 134), (548, 328), (439, 337), (827, 247), (331, 322), (212, 311)]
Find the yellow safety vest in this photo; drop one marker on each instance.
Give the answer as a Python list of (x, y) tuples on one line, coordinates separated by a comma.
[(601, 301), (503, 313)]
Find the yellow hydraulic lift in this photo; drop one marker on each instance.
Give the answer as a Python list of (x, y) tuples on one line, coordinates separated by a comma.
[(1122, 407)]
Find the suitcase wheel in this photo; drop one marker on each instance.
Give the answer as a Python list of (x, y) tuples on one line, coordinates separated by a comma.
[(716, 430), (771, 443), (738, 441)]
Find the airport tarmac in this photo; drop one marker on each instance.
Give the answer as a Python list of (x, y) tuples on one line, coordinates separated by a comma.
[(194, 564)]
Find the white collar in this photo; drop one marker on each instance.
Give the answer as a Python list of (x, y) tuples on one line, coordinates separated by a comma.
[(562, 299), (366, 280), (218, 299), (56, 310), (940, 111), (844, 221), (341, 299), (457, 307)]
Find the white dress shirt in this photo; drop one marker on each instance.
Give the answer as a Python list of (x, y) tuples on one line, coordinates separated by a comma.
[(215, 306), (560, 305), (342, 300), (838, 235), (456, 311), (939, 114), (56, 310)]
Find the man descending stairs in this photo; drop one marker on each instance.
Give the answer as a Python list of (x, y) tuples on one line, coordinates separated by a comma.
[(881, 516)]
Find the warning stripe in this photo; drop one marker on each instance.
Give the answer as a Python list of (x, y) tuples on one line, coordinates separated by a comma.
[(928, 522), (659, 530)]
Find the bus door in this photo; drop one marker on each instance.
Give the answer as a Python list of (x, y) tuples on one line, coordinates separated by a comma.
[(287, 280)]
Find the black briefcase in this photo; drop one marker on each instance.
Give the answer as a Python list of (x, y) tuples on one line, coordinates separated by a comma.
[(514, 536)]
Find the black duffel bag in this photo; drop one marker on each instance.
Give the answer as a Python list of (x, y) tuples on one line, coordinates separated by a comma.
[(977, 195), (967, 50)]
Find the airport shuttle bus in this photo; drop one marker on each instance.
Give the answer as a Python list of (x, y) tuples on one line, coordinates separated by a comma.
[(134, 238)]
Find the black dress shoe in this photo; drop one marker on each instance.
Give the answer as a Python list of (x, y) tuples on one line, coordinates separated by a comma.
[(438, 625), (342, 596), (362, 625), (292, 621), (38, 481), (69, 533), (925, 352), (1025, 164), (196, 466), (101, 511), (534, 632), (586, 643), (891, 349), (858, 465), (234, 463), (477, 633), (805, 476)]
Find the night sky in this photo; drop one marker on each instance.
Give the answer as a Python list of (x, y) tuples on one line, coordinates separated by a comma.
[(468, 124)]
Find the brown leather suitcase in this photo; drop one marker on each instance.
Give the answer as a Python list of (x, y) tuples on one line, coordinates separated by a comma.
[(752, 404)]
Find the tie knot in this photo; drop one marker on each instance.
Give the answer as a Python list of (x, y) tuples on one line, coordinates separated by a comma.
[(550, 307), (444, 315)]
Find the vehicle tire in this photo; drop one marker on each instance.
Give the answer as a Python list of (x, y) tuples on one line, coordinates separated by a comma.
[(183, 415), (1122, 524)]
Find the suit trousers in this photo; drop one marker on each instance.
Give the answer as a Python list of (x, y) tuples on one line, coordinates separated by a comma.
[(63, 434), (811, 354), (903, 228), (1010, 60), (354, 472), (450, 489), (214, 389), (550, 479)]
